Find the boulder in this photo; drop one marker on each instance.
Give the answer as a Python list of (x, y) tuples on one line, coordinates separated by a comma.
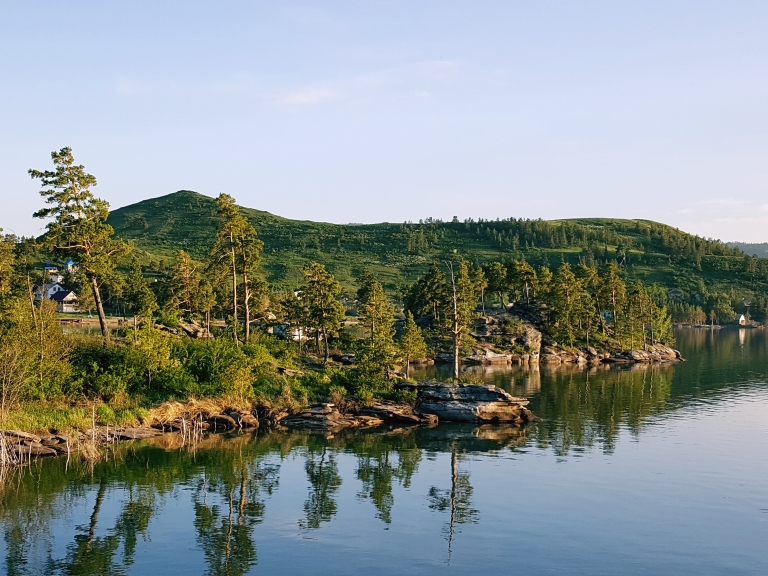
[(222, 422), (194, 330), (468, 403), (248, 420), (33, 450), (485, 356)]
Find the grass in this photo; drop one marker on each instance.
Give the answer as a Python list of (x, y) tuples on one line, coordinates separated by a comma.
[(46, 417)]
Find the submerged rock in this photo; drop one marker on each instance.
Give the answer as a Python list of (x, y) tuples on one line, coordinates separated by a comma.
[(136, 433), (327, 417), (398, 413), (33, 450)]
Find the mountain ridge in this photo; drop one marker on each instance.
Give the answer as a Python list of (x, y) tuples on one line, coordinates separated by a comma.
[(398, 253)]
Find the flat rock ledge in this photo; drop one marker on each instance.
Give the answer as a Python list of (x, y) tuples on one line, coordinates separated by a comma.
[(470, 403)]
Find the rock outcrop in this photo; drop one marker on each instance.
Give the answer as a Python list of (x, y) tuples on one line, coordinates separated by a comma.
[(469, 403)]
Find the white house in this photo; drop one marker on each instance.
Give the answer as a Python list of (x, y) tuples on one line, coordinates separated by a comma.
[(742, 320), (48, 290), (66, 301)]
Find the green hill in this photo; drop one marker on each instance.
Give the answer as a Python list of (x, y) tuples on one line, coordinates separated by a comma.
[(755, 249), (399, 253)]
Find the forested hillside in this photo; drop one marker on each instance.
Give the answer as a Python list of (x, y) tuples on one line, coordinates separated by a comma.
[(399, 253)]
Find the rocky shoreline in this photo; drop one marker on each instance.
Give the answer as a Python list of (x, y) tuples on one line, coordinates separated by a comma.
[(436, 402), (508, 339)]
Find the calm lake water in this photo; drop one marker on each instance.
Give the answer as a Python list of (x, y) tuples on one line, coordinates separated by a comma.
[(640, 470)]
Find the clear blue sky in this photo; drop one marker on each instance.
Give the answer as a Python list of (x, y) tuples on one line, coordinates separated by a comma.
[(391, 111)]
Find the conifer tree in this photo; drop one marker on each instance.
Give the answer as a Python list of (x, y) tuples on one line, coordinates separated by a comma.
[(496, 273), (464, 301), (526, 279), (613, 292), (238, 248), (78, 229), (325, 313), (411, 343), (376, 313), (481, 283), (139, 297)]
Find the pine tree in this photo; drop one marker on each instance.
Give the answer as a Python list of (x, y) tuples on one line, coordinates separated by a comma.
[(376, 313), (496, 273), (526, 279), (411, 343), (78, 229), (481, 283), (325, 313), (237, 245), (464, 301)]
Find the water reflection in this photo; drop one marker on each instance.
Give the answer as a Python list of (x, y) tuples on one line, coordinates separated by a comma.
[(227, 487)]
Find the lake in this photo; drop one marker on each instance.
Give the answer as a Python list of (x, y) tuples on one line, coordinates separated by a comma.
[(636, 470)]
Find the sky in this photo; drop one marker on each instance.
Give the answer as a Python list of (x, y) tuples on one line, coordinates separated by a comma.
[(376, 111)]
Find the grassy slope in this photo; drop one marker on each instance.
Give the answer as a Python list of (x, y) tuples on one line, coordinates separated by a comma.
[(186, 220)]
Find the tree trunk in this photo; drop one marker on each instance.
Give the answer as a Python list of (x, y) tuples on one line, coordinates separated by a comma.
[(456, 354), (234, 294), (246, 297), (100, 310), (325, 341), (247, 309), (407, 365)]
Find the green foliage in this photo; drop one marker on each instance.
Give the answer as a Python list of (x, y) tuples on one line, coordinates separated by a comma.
[(319, 295), (78, 228), (376, 315), (34, 354), (649, 251), (411, 343)]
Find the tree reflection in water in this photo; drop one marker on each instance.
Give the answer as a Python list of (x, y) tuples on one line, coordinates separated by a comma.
[(457, 500), (123, 499), (324, 479)]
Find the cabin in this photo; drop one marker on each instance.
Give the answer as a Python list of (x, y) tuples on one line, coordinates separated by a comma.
[(70, 266), (66, 301), (742, 320)]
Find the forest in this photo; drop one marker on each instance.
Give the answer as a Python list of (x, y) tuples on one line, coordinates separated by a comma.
[(225, 310)]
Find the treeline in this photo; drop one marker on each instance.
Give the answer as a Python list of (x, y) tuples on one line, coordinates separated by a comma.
[(522, 233), (576, 306)]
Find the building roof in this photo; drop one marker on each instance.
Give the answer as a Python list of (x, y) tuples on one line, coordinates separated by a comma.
[(63, 295)]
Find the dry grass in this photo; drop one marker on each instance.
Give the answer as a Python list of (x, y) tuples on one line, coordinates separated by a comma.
[(192, 408)]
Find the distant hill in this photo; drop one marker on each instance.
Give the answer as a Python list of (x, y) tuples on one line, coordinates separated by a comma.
[(759, 250), (398, 253)]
